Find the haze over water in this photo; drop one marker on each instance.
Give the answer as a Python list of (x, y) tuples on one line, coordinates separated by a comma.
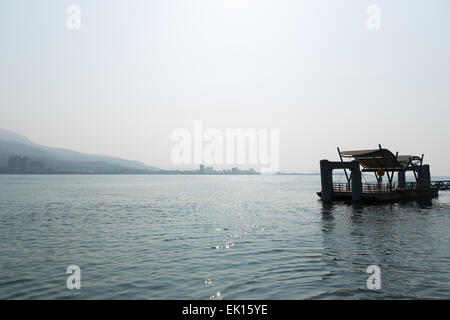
[(190, 237)]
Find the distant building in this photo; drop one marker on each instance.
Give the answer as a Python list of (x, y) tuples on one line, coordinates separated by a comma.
[(202, 168), (18, 164), (37, 166), (14, 164)]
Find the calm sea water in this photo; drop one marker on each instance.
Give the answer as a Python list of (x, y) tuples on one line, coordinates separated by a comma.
[(191, 237)]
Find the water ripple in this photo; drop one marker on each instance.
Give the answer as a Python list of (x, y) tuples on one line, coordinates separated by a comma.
[(204, 237)]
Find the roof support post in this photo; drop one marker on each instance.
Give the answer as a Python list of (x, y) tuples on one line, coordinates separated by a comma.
[(401, 179), (393, 171), (385, 167), (356, 181), (413, 169), (376, 177), (345, 170)]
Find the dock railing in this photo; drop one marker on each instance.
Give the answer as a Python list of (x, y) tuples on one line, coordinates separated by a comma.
[(342, 187), (440, 185), (373, 187)]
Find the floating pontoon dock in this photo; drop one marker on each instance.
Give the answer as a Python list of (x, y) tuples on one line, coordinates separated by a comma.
[(380, 162)]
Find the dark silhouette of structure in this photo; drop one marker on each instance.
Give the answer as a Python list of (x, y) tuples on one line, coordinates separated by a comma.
[(380, 162)]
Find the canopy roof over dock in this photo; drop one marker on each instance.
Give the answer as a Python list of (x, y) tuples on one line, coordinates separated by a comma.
[(375, 159), (381, 161)]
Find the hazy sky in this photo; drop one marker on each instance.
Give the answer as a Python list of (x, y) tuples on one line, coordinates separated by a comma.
[(138, 70)]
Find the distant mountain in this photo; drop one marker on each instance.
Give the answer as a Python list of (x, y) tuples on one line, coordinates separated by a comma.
[(6, 135), (12, 144)]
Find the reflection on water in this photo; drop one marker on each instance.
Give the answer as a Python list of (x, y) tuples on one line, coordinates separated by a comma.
[(404, 239), (213, 237)]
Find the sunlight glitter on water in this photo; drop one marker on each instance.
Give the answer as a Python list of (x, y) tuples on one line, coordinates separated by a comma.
[(171, 237)]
